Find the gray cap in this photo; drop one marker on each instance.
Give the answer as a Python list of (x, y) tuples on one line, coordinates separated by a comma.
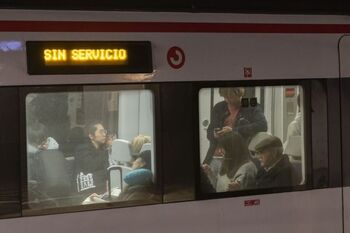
[(264, 140)]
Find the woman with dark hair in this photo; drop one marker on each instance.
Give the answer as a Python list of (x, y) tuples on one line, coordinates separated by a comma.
[(237, 171), (229, 116)]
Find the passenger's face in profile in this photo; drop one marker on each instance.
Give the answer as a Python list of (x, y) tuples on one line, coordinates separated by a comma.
[(43, 145), (265, 158), (233, 100), (100, 135)]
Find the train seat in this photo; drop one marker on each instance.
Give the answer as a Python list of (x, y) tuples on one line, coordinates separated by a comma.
[(146, 146), (121, 152), (70, 166), (53, 181), (116, 177)]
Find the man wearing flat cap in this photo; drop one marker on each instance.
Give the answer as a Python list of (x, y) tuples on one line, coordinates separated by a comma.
[(276, 170)]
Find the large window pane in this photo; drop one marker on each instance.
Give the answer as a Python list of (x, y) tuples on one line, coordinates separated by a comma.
[(88, 147), (251, 137)]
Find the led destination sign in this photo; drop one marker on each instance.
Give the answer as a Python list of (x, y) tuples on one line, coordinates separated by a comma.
[(77, 57), (90, 56)]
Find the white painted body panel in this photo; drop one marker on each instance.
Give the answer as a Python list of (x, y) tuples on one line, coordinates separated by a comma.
[(317, 211), (208, 57), (346, 203)]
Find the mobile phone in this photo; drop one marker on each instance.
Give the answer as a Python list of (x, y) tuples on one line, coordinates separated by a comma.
[(217, 130), (104, 196)]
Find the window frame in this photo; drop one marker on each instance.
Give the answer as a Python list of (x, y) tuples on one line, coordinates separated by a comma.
[(306, 86), (24, 91)]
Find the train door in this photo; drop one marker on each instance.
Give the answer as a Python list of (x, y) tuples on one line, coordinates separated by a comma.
[(344, 54)]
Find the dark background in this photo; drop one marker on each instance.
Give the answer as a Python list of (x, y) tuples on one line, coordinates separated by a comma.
[(237, 6)]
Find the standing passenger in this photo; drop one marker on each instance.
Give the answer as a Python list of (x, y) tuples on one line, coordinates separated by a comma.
[(228, 116), (294, 128)]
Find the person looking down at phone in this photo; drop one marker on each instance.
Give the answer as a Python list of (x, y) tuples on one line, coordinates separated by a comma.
[(237, 171), (229, 117)]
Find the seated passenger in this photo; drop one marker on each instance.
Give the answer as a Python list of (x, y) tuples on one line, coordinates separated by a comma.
[(137, 143), (37, 143), (294, 127), (237, 172), (36, 138), (205, 185), (91, 162), (139, 180), (275, 170)]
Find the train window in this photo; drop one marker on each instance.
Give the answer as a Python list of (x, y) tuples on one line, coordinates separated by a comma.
[(90, 146), (251, 138)]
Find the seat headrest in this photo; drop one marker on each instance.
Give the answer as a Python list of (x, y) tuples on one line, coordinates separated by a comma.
[(146, 146), (121, 150)]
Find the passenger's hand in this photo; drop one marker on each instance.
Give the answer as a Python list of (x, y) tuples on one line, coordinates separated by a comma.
[(95, 198), (224, 130), (234, 185), (219, 152), (216, 135), (94, 195), (206, 168), (110, 139)]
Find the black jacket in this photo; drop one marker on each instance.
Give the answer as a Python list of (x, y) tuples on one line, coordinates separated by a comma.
[(249, 121), (138, 192), (281, 175), (91, 170)]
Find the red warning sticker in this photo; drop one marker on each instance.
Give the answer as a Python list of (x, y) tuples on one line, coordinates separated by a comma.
[(252, 202)]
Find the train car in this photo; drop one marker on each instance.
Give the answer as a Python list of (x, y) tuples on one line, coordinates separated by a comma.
[(173, 122)]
